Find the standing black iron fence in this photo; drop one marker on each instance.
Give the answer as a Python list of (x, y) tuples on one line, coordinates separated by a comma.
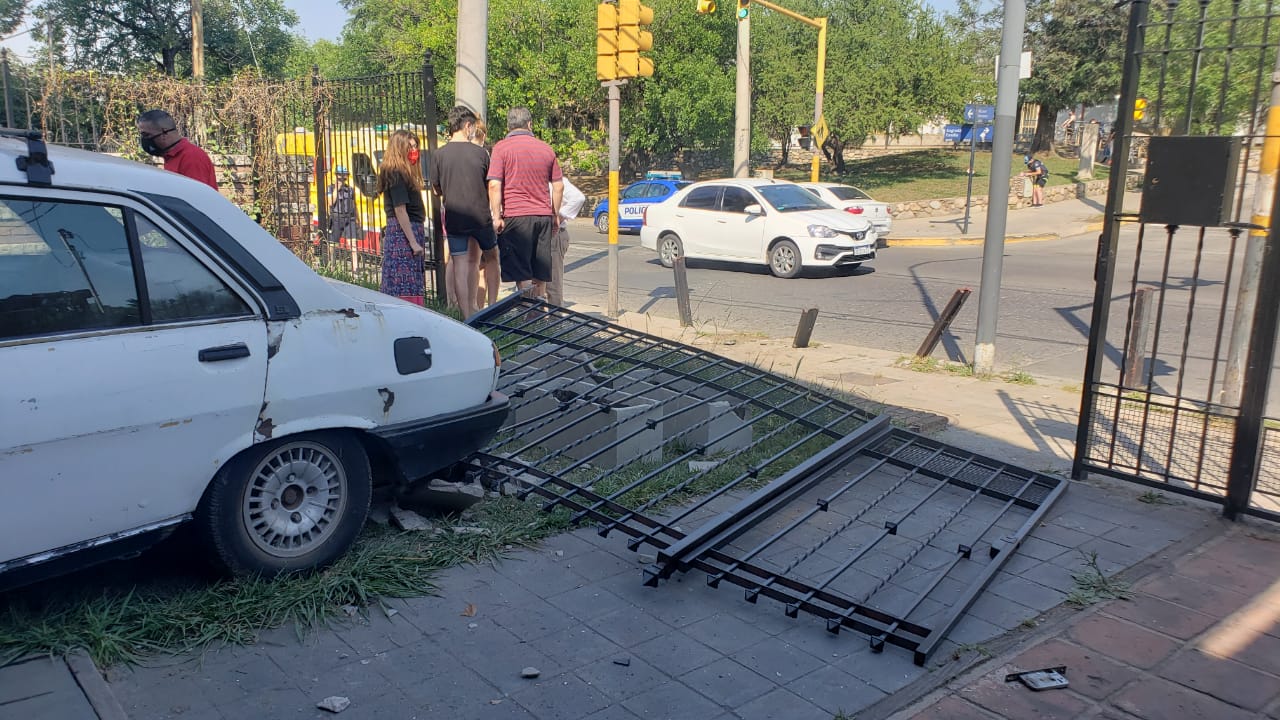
[(277, 143), (1176, 390)]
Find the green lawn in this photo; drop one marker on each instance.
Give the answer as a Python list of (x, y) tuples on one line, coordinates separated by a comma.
[(928, 174)]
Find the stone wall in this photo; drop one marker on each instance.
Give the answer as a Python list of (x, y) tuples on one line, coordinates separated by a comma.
[(950, 206)]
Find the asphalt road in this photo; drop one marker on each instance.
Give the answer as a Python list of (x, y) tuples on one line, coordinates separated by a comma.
[(890, 303)]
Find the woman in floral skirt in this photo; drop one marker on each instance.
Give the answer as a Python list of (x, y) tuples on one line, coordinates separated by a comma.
[(403, 243)]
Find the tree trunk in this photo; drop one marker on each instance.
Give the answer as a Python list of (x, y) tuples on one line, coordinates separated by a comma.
[(833, 149), (786, 148), (170, 56), (1045, 126)]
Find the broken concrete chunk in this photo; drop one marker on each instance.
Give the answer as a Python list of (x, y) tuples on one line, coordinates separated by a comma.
[(623, 661), (702, 465), (646, 558), (530, 672), (334, 703), (510, 489), (470, 530), (409, 520), (445, 495), (380, 514)]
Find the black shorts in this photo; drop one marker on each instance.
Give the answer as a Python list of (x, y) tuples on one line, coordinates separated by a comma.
[(525, 248), (459, 242)]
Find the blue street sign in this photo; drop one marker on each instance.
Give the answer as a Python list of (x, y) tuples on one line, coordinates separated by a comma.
[(953, 133), (962, 133), (979, 113), (985, 132)]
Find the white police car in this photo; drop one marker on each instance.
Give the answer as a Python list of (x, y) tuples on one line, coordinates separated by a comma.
[(632, 201), (166, 360)]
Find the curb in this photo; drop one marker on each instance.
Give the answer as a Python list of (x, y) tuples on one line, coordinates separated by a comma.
[(940, 241), (94, 686)]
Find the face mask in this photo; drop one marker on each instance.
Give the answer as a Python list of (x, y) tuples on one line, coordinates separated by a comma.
[(413, 156), (149, 146)]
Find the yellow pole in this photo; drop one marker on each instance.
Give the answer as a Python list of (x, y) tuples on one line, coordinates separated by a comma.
[(820, 84)]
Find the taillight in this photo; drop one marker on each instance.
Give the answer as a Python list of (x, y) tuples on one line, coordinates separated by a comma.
[(856, 209), (644, 215), (888, 210)]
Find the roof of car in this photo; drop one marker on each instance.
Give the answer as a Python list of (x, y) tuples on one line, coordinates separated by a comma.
[(746, 182)]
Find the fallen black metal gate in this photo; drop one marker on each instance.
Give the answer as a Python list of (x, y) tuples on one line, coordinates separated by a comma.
[(787, 492)]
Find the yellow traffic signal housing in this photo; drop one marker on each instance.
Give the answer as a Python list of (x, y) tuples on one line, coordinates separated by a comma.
[(706, 7), (744, 9), (1139, 108), (634, 39), (606, 41)]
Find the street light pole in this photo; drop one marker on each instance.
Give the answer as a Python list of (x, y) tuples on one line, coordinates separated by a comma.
[(470, 72), (742, 103)]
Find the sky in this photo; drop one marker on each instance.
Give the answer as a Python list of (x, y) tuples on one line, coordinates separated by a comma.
[(317, 20)]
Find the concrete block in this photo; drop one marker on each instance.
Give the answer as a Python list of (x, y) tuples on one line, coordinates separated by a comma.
[(692, 421)]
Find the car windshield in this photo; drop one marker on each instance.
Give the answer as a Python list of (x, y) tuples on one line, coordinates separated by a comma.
[(844, 192), (791, 198)]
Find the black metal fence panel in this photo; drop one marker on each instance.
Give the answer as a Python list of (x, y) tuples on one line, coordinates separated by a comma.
[(1164, 380), (781, 490)]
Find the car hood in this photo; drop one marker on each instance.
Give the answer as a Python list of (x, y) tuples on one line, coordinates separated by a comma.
[(834, 219)]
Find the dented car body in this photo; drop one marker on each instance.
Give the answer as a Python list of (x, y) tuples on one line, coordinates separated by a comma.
[(167, 360)]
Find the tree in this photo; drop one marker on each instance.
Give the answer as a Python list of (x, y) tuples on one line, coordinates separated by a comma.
[(11, 14), (139, 35), (1077, 47)]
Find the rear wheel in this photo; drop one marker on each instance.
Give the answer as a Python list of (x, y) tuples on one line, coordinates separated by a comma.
[(784, 259), (297, 503), (602, 222), (669, 248)]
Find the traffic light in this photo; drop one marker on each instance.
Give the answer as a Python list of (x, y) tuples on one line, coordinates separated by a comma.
[(606, 41), (706, 7), (744, 9), (633, 39), (1139, 108)]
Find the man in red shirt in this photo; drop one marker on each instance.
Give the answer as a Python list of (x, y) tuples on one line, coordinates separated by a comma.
[(158, 134), (525, 191)]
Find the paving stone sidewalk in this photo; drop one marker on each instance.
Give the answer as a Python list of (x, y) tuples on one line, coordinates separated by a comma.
[(607, 647), (1200, 638)]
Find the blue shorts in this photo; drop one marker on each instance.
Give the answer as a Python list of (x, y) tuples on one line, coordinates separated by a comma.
[(458, 242)]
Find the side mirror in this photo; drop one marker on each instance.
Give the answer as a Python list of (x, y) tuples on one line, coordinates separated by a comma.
[(754, 209)]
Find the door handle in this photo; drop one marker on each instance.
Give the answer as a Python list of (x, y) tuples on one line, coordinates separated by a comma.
[(224, 352)]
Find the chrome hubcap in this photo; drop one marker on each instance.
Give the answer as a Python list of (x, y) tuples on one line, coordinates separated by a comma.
[(784, 261), (293, 498), (669, 251)]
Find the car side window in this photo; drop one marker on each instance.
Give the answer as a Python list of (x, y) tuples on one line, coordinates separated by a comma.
[(639, 190), (658, 190), (178, 286), (703, 198), (64, 267), (736, 200)]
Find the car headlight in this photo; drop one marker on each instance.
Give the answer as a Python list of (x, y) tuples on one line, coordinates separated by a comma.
[(821, 231)]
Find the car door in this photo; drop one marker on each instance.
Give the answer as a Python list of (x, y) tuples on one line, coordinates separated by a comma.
[(134, 368), (631, 205), (738, 236), (696, 220)]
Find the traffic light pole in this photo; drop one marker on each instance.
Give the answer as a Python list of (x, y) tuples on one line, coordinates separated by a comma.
[(615, 140)]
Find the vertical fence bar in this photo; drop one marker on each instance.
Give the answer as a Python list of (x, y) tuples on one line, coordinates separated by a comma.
[(321, 163), (1104, 269), (437, 226), (1246, 446), (8, 96), (1195, 65)]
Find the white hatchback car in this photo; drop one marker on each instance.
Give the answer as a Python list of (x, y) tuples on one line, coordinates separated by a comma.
[(166, 360), (852, 200), (774, 222)]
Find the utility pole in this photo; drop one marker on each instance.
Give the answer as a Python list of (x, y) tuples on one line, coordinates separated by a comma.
[(615, 166), (1015, 18), (742, 103), (197, 39), (8, 97), (1251, 267), (471, 71)]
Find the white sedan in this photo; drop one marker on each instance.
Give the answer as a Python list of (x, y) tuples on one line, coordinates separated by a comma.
[(773, 222), (854, 201)]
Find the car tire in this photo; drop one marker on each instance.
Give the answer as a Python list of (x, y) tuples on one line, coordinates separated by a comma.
[(669, 248), (784, 259), (602, 223), (288, 505)]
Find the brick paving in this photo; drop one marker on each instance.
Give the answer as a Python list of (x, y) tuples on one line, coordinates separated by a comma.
[(1200, 638)]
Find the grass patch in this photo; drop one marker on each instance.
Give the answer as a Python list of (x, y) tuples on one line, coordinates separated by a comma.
[(1092, 586), (1153, 497), (124, 621), (929, 174), (1019, 377)]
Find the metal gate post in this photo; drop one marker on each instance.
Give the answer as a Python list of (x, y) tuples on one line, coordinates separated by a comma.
[(1104, 270), (322, 195), (1246, 446), (437, 226)]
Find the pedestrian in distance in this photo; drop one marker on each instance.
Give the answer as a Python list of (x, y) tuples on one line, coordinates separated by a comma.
[(1039, 175), (404, 238), (524, 212), (342, 207), (458, 173), (486, 292), (570, 205), (159, 136), (1068, 125)]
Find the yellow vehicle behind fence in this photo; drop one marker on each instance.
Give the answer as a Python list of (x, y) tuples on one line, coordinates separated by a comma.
[(359, 152)]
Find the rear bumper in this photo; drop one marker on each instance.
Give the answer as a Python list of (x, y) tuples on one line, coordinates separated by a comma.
[(421, 447)]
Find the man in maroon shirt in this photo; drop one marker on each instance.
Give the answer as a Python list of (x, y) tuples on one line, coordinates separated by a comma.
[(525, 190), (158, 134)]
